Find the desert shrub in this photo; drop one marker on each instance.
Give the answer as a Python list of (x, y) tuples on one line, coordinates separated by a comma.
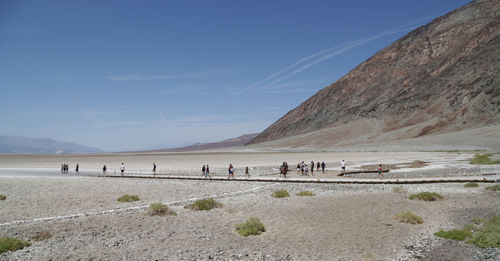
[(471, 185), (42, 235), (488, 235), (160, 210), (483, 159), (204, 204), (3, 197), (306, 193), (12, 244), (252, 226), (399, 190), (454, 234), (371, 257), (128, 198), (280, 194), (426, 196), (494, 188), (409, 217)]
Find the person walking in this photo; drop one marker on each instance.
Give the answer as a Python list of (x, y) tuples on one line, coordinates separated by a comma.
[(77, 168), (203, 173), (323, 165), (298, 168), (104, 170), (154, 168), (312, 168), (207, 172), (317, 165), (230, 172), (343, 166), (247, 174), (122, 169), (380, 175)]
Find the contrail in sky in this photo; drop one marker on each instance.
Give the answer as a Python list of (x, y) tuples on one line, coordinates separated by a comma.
[(327, 54)]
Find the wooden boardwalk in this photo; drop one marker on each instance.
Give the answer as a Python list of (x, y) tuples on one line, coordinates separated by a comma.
[(459, 179)]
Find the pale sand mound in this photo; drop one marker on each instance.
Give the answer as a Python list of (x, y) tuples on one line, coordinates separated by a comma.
[(343, 222)]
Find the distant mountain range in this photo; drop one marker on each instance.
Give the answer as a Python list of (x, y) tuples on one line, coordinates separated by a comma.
[(441, 78), (25, 145), (233, 142)]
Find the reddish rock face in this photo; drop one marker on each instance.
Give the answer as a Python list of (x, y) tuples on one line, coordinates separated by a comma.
[(441, 77)]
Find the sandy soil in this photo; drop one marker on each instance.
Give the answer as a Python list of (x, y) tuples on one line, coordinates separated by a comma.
[(342, 222)]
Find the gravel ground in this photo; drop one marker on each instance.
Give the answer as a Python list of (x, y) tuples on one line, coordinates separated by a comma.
[(342, 222)]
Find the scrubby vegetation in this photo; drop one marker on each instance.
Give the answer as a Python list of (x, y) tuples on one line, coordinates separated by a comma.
[(483, 233), (160, 210), (483, 159), (454, 234), (42, 235), (128, 198), (252, 226), (399, 190), (204, 204), (409, 217), (280, 194), (471, 185), (305, 193), (488, 235), (426, 196), (371, 257), (3, 197), (12, 244), (494, 188)]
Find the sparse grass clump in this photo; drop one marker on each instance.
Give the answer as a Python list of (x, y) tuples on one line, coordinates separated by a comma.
[(158, 209), (128, 198), (494, 188), (471, 185), (399, 190), (3, 197), (426, 196), (12, 244), (204, 204), (42, 235), (485, 234), (409, 217), (371, 257), (252, 226), (280, 194), (488, 235), (454, 234), (306, 193), (483, 159)]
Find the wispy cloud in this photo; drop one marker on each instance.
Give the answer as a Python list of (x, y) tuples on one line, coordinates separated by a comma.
[(315, 58), (139, 77)]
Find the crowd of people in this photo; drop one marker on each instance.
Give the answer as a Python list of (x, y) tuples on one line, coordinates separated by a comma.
[(303, 169), (65, 168)]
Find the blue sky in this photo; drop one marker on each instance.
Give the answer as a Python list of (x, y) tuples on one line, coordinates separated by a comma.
[(127, 75)]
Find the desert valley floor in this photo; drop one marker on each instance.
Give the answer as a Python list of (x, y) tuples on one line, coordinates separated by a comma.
[(341, 222)]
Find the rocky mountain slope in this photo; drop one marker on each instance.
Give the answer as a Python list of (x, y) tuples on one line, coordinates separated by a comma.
[(440, 78), (229, 143)]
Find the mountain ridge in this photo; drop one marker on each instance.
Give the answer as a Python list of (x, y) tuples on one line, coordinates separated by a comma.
[(441, 77), (27, 145)]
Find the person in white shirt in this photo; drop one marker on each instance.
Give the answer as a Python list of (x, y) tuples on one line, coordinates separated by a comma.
[(122, 168), (343, 166)]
